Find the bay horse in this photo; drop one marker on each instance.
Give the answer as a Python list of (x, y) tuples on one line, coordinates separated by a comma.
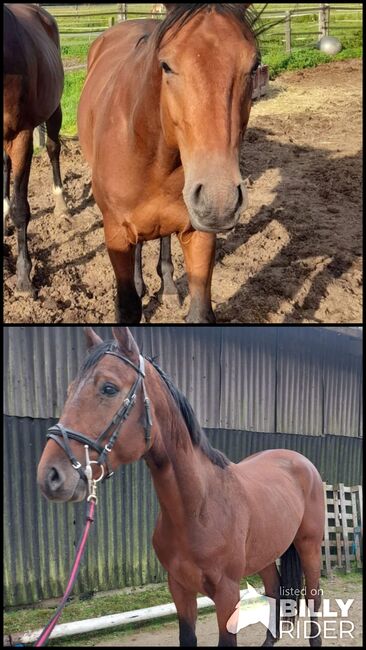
[(161, 117), (219, 521), (33, 85)]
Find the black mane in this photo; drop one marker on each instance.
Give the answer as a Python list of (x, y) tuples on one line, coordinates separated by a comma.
[(198, 437)]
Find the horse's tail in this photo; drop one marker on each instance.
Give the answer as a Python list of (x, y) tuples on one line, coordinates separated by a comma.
[(291, 579)]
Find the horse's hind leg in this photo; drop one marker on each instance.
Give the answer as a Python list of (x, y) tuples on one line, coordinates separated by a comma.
[(53, 149), (6, 186), (168, 291), (310, 555), (21, 151), (186, 604), (139, 280), (271, 581)]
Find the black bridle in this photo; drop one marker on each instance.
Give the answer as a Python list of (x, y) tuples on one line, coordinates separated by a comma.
[(62, 435)]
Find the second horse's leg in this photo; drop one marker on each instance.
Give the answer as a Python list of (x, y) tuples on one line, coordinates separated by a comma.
[(53, 150), (168, 291), (21, 159), (6, 186), (139, 280)]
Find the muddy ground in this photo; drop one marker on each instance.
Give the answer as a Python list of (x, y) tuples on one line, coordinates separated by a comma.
[(254, 635), (295, 257)]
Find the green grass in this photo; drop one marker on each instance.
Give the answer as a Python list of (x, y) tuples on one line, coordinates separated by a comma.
[(278, 61), (70, 99)]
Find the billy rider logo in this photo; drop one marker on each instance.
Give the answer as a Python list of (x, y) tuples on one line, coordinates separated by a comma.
[(258, 608)]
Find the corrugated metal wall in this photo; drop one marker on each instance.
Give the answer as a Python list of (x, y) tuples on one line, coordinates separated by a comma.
[(288, 380), (40, 537), (251, 389)]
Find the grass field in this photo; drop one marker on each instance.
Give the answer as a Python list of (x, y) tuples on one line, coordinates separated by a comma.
[(346, 25)]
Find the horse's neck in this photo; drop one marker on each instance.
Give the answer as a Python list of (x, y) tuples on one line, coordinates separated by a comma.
[(179, 473)]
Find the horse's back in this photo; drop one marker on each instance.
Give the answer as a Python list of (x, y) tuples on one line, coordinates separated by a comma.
[(32, 61), (273, 463), (110, 70)]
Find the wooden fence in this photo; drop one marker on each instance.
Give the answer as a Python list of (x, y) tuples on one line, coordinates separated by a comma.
[(343, 528), (324, 15)]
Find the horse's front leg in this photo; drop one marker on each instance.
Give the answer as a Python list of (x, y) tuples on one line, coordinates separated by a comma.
[(199, 255), (226, 598), (128, 302), (186, 604), (21, 151)]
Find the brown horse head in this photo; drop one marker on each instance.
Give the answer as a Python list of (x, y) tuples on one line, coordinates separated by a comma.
[(208, 54), (94, 398)]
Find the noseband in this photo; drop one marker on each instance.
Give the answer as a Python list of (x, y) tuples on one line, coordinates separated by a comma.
[(62, 435)]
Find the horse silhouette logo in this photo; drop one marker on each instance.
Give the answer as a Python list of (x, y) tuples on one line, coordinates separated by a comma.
[(253, 608)]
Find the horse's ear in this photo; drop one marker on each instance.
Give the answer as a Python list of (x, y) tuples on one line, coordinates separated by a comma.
[(126, 343), (91, 337)]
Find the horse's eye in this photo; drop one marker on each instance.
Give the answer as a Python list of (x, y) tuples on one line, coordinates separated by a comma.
[(167, 69), (109, 389)]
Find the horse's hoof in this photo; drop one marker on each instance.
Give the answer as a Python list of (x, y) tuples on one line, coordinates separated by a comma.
[(25, 293), (170, 301)]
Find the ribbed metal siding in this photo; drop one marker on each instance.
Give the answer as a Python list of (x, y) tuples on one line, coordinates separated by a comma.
[(299, 404), (248, 378), (342, 393), (39, 536), (289, 380), (337, 458), (40, 363)]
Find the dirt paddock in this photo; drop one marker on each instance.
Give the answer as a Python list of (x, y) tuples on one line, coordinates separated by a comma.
[(295, 257)]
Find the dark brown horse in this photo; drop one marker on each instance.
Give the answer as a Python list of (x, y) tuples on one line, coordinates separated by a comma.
[(33, 84), (219, 521), (161, 117)]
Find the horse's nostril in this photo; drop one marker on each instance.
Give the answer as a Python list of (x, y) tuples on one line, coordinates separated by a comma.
[(240, 198), (197, 194), (54, 479)]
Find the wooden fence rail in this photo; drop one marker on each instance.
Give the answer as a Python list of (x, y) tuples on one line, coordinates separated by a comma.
[(323, 12), (343, 528)]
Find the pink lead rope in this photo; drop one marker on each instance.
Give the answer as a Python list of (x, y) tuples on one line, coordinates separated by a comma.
[(92, 501)]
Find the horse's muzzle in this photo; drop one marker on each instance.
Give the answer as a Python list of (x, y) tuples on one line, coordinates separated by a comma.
[(215, 208)]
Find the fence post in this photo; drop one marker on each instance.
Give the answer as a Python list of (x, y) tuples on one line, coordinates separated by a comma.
[(288, 32), (327, 27), (122, 11), (323, 22)]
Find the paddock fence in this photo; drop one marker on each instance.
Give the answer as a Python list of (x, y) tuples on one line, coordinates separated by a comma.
[(292, 28), (342, 545)]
